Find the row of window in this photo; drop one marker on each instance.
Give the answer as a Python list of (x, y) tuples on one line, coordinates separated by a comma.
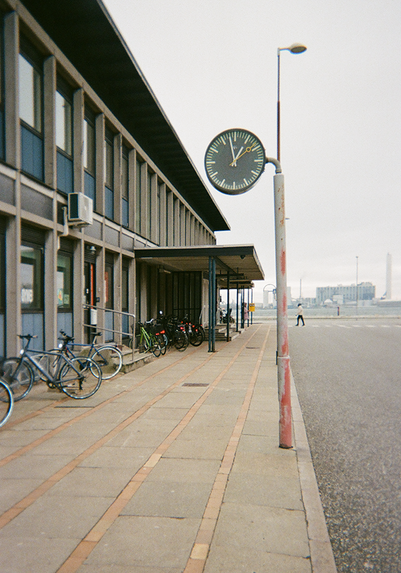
[(132, 194)]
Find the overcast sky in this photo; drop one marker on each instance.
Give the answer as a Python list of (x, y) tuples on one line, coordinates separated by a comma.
[(212, 65)]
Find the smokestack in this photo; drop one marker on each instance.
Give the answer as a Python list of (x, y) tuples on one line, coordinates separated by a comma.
[(388, 276)]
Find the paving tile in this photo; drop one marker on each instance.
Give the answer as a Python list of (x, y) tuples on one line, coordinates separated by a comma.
[(146, 541), (126, 569), (225, 560), (185, 470), (282, 463), (42, 555), (143, 433), (197, 448), (33, 466), (273, 530), (169, 499), (92, 482), (55, 517), (117, 457), (13, 490), (269, 491)]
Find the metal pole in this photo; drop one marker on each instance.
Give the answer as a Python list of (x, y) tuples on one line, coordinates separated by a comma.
[(283, 358), (237, 313), (212, 304), (357, 293), (210, 307), (228, 307), (278, 105)]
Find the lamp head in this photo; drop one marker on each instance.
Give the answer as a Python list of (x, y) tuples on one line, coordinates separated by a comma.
[(297, 48)]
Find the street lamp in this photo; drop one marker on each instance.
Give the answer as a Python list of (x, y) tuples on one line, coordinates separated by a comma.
[(283, 358), (294, 49), (234, 161)]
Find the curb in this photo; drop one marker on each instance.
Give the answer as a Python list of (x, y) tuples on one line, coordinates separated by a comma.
[(322, 558)]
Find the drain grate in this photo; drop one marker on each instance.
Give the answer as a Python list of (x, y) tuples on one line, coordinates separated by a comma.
[(196, 384), (253, 347)]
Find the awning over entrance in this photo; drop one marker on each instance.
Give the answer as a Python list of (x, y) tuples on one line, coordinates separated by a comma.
[(239, 262)]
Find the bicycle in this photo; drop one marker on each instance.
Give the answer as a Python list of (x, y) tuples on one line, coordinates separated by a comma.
[(147, 339), (195, 332), (157, 329), (107, 356), (6, 402), (72, 376), (175, 333)]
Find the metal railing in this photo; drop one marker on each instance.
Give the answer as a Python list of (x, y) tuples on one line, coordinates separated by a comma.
[(124, 334)]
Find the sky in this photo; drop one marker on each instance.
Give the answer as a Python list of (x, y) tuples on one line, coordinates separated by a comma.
[(212, 65)]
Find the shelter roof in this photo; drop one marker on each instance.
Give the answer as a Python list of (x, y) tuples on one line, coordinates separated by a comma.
[(239, 261)]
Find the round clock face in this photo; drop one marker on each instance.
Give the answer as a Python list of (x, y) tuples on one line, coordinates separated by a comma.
[(234, 161)]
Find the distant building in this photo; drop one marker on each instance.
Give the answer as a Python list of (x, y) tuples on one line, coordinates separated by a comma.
[(366, 291)]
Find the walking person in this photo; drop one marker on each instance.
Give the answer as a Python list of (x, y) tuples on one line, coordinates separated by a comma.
[(300, 315)]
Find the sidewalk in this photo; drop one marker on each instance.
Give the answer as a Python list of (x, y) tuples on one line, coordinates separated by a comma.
[(174, 467)]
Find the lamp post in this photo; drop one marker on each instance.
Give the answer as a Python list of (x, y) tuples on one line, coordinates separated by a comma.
[(283, 358), (357, 293), (294, 49)]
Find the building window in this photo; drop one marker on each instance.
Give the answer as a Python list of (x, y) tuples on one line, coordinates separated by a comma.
[(109, 174), (158, 222), (125, 186), (89, 154), (1, 90), (125, 300), (2, 287), (30, 112), (64, 282), (138, 195), (63, 107), (63, 123), (30, 94), (31, 278), (168, 222), (149, 221)]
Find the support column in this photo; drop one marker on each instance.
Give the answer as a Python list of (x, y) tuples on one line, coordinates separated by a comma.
[(228, 307), (212, 304)]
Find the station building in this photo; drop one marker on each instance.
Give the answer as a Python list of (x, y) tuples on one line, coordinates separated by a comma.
[(104, 219)]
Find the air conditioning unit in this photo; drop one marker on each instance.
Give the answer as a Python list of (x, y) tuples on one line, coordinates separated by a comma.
[(80, 209)]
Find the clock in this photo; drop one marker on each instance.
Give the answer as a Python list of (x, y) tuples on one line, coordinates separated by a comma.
[(234, 161)]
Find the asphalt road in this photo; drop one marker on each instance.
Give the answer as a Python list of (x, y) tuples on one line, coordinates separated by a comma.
[(348, 379)]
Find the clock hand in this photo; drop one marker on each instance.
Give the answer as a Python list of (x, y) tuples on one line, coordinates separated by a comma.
[(247, 150), (234, 162), (232, 149)]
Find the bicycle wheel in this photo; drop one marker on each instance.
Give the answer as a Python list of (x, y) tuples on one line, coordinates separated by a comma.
[(196, 337), (76, 377), (18, 375), (6, 402), (162, 343), (109, 359), (155, 346), (181, 341)]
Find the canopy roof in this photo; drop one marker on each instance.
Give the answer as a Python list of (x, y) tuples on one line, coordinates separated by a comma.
[(239, 261)]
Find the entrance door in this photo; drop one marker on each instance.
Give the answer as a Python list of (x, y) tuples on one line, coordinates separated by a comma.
[(90, 315)]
